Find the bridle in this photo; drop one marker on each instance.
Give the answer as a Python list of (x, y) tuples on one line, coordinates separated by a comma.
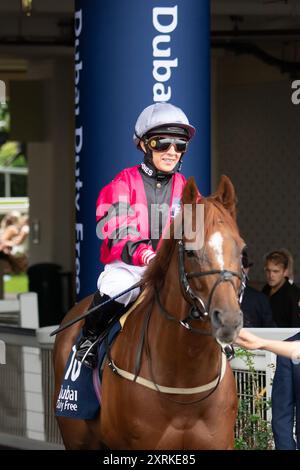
[(199, 309)]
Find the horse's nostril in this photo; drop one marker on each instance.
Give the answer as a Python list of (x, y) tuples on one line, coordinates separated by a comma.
[(217, 318)]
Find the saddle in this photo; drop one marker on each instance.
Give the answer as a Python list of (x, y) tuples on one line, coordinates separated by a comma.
[(80, 392)]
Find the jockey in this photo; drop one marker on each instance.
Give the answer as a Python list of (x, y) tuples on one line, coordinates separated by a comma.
[(132, 212)]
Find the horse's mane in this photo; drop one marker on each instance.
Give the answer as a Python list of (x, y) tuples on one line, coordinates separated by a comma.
[(214, 214)]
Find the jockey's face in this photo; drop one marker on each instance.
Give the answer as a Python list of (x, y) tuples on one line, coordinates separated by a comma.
[(165, 160)]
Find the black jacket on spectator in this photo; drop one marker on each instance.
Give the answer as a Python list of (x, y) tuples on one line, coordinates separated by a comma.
[(256, 309), (286, 402), (284, 305)]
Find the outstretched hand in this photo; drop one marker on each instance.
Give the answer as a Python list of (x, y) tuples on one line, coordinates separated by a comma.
[(248, 340), (290, 349)]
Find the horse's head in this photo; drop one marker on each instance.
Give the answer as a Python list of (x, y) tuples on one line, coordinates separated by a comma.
[(212, 256)]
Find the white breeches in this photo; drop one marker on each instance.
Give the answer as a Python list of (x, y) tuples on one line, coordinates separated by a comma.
[(119, 276)]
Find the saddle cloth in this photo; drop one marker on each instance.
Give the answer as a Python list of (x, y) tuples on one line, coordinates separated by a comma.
[(80, 391)]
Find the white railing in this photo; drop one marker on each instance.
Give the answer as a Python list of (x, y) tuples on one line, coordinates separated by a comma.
[(8, 204), (22, 311), (26, 418), (7, 172)]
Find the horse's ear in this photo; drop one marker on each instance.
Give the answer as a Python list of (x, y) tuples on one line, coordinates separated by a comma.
[(225, 194), (190, 194)]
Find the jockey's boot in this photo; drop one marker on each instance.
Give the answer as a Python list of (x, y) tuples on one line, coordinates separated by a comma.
[(95, 324)]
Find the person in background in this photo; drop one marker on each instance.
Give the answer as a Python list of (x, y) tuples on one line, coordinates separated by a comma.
[(255, 305), (19, 244), (14, 230), (290, 268), (284, 297), (9, 229), (286, 402)]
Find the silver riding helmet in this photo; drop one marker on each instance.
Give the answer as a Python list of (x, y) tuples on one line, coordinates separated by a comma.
[(161, 114)]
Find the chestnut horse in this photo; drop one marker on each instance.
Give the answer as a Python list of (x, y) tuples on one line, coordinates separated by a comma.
[(167, 383)]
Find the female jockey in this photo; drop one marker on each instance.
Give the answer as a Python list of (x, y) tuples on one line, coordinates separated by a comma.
[(132, 212)]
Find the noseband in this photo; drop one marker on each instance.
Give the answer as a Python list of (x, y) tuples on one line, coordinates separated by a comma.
[(199, 309)]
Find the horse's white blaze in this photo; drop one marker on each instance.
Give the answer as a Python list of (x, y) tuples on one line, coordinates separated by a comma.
[(216, 242)]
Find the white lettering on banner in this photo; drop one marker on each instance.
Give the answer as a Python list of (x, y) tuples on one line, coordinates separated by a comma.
[(76, 370), (68, 395), (296, 94), (71, 363), (162, 69), (78, 144), (78, 183), (165, 66), (165, 11), (78, 63), (161, 52), (79, 238), (65, 397), (74, 367)]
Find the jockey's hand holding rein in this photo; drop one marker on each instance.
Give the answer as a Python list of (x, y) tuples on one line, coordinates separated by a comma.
[(147, 256)]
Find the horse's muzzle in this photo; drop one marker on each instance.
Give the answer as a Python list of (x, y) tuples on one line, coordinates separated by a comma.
[(226, 325)]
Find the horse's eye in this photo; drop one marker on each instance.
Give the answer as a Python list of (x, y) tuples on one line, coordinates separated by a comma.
[(190, 253)]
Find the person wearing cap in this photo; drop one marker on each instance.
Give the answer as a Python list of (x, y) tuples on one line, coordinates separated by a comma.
[(127, 220), (257, 312)]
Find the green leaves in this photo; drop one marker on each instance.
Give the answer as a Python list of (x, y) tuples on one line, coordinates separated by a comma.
[(253, 430)]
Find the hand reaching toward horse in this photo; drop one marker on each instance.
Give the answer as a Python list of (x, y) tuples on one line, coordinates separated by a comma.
[(248, 340), (290, 349)]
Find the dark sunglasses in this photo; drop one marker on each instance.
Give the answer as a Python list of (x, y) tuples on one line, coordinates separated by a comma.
[(160, 144)]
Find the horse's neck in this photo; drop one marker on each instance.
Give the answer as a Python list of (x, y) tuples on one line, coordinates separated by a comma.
[(173, 347), (171, 294)]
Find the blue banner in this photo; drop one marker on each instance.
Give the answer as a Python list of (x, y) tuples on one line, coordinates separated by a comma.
[(129, 54)]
